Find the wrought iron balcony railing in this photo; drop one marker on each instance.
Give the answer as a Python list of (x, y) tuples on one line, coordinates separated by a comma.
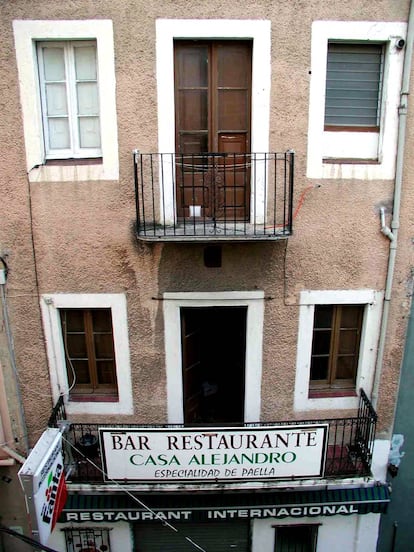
[(213, 196), (349, 449)]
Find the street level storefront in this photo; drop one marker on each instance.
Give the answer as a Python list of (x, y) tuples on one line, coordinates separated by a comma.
[(253, 522)]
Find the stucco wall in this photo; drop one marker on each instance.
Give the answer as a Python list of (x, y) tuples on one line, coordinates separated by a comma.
[(78, 237)]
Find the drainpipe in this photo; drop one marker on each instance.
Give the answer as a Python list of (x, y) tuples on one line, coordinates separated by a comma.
[(392, 233)]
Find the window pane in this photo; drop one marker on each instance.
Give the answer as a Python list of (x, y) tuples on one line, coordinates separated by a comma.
[(73, 319), (88, 102), (323, 316), (193, 110), (233, 65), (348, 341), (233, 110), (76, 345), (192, 65), (102, 320), (54, 64), (345, 368), (350, 316), (81, 370), (89, 132), (104, 346), (106, 373), (321, 342), (319, 368), (59, 137), (85, 62), (56, 100)]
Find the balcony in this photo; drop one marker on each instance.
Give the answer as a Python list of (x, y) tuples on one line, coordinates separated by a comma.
[(348, 453), (213, 197)]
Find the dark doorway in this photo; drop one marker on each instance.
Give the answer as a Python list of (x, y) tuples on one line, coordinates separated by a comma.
[(213, 362)]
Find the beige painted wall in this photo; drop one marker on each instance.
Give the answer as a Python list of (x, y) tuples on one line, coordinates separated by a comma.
[(78, 237)]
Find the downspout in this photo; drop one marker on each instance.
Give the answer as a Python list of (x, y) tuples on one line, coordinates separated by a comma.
[(392, 233)]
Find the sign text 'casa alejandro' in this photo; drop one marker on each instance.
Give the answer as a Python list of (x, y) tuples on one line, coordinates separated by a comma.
[(214, 454)]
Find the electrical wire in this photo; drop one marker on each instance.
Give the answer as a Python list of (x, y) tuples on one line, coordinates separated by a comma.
[(298, 206), (69, 361)]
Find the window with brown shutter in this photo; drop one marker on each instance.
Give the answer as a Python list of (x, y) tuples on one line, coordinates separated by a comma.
[(335, 346), (89, 352)]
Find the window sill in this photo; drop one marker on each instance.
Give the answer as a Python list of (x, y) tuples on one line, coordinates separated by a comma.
[(72, 161), (331, 393), (93, 398), (349, 161), (328, 128), (74, 170)]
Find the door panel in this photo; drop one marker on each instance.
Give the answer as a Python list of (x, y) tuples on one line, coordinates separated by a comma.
[(232, 109), (232, 178), (213, 98), (193, 109)]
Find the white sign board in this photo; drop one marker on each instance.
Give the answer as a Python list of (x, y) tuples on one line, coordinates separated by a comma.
[(214, 454), (43, 481)]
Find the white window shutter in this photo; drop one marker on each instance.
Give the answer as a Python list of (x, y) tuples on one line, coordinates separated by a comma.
[(87, 96), (353, 84), (70, 99), (56, 104), (54, 64), (89, 132)]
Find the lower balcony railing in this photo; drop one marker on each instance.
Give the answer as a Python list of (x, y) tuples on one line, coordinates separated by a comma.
[(213, 196), (348, 452)]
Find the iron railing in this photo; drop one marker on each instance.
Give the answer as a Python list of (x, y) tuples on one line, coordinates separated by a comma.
[(213, 196), (349, 450)]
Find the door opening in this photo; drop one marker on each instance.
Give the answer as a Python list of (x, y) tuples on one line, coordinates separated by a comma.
[(213, 364)]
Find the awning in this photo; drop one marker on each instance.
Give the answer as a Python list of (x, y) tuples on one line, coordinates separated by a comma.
[(196, 507)]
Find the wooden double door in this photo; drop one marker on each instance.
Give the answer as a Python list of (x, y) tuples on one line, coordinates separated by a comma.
[(212, 121)]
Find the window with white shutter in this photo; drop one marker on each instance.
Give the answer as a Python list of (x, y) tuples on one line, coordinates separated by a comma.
[(353, 86), (68, 80)]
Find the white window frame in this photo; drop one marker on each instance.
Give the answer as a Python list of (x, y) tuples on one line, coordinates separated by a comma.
[(173, 302), (76, 151), (355, 145), (50, 305), (259, 31), (373, 301), (26, 34)]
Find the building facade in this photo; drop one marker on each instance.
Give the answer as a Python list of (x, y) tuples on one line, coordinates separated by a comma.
[(208, 237)]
